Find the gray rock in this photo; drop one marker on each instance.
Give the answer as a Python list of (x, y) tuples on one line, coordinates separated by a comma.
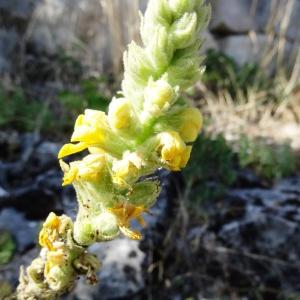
[(10, 272), (209, 42), (232, 16), (3, 193), (246, 49), (47, 152), (96, 32), (8, 44), (120, 274), (17, 8), (274, 15), (23, 231)]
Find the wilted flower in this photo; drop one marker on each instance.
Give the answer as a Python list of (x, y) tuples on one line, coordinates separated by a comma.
[(125, 213)]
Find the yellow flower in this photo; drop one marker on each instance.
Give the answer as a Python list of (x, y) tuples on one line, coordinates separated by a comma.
[(127, 168), (91, 130), (90, 168), (119, 113), (191, 124), (173, 151), (125, 213)]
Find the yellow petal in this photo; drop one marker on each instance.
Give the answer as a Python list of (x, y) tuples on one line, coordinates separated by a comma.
[(134, 235), (69, 149), (70, 176)]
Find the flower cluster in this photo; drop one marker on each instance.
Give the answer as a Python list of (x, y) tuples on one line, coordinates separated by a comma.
[(148, 126), (59, 263)]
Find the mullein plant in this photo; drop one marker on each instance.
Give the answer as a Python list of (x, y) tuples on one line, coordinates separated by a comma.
[(148, 126)]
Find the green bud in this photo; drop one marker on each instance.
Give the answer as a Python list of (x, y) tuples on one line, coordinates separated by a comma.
[(159, 96), (36, 270), (84, 232), (185, 72), (183, 31), (160, 49), (100, 227), (179, 7), (105, 226), (61, 277)]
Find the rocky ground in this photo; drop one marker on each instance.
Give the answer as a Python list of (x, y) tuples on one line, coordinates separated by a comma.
[(244, 245)]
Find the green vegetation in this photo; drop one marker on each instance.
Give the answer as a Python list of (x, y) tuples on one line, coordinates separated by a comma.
[(214, 163), (5, 289), (223, 73), (270, 161), (20, 113), (92, 93), (7, 247)]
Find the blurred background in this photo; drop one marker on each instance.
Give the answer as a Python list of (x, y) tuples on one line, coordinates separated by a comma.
[(225, 228)]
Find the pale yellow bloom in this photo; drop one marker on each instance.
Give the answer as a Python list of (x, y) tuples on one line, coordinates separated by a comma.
[(125, 213), (159, 96), (173, 151), (159, 93), (119, 113), (91, 130), (127, 168), (191, 124), (90, 168)]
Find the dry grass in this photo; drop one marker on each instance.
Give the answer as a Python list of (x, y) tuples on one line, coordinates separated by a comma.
[(252, 112)]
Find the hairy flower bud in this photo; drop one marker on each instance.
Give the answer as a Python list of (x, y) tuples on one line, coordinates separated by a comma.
[(191, 124), (160, 49), (159, 96), (183, 30), (100, 227), (119, 113), (179, 7)]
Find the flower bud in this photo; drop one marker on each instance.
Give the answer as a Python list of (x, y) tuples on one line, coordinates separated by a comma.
[(60, 277), (101, 227), (119, 114), (179, 7), (105, 226), (159, 96), (83, 232), (183, 31), (160, 49), (191, 124)]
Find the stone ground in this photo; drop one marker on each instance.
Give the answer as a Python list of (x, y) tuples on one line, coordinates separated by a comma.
[(244, 246)]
